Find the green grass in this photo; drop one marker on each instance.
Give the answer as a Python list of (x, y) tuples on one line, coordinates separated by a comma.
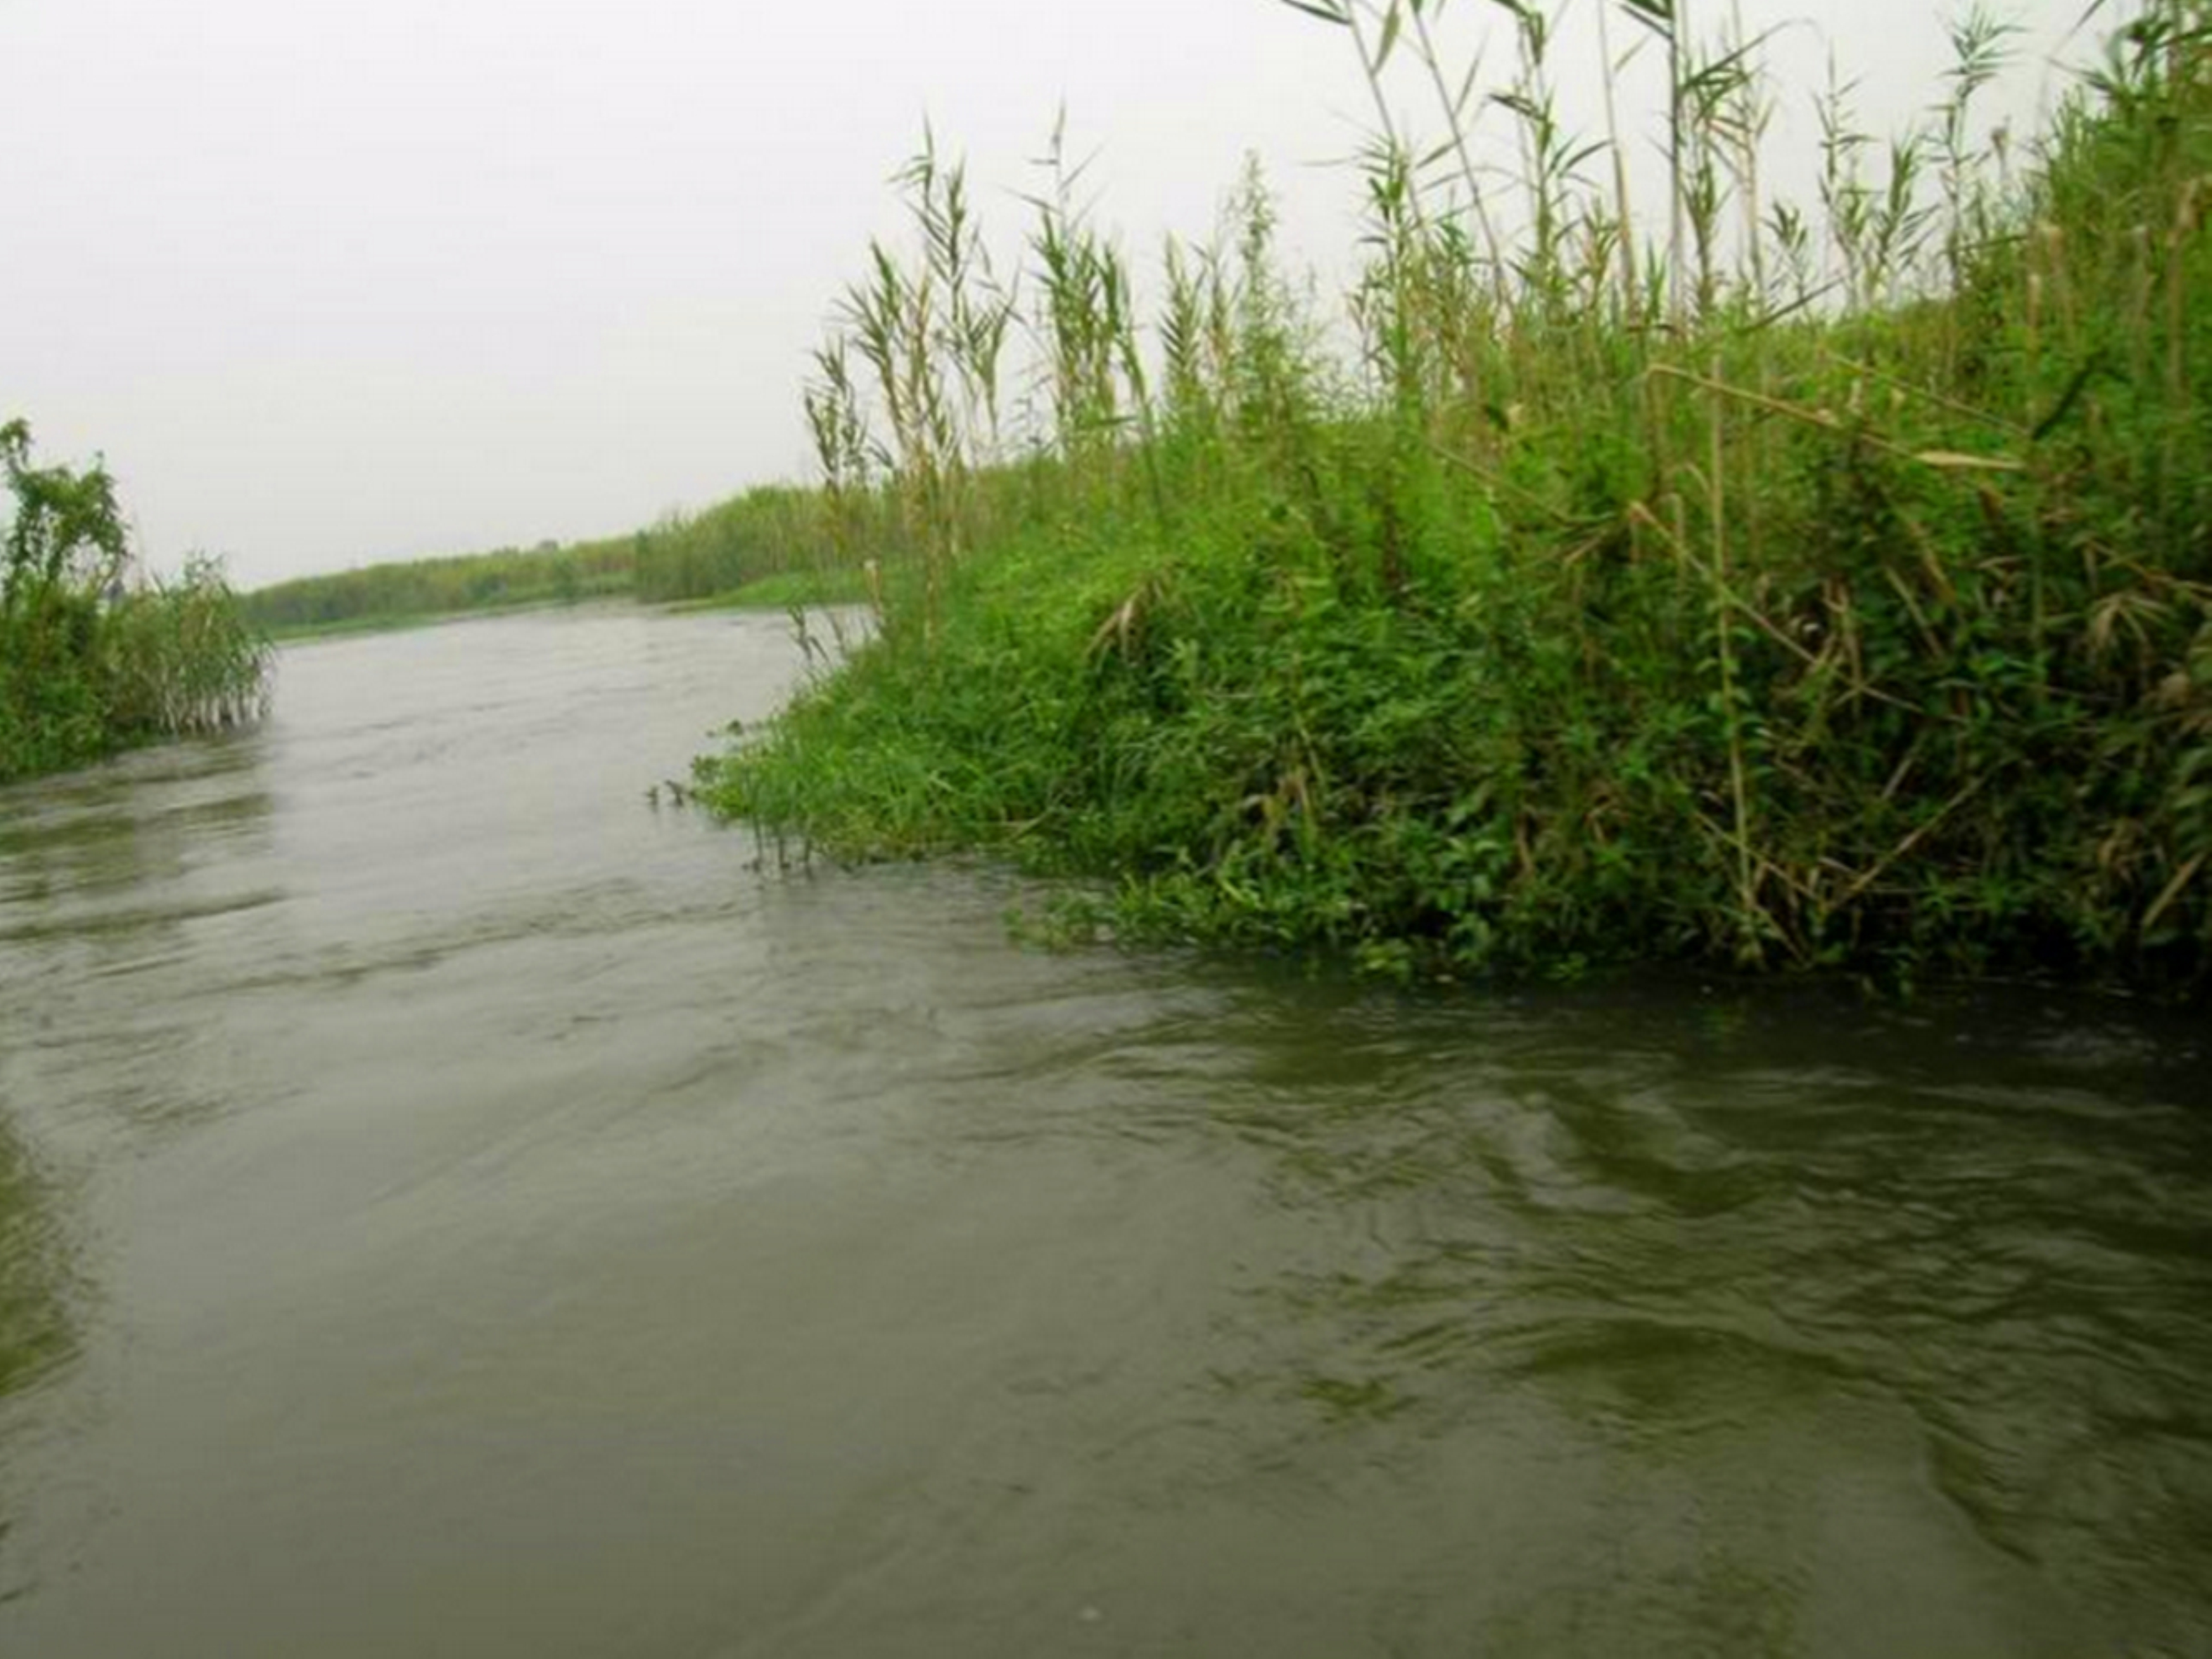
[(766, 536), (1820, 588), (91, 661), (400, 594)]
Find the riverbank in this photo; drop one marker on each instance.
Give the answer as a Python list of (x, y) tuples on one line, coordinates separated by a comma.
[(770, 547), (371, 1079), (1846, 605), (789, 590), (96, 657)]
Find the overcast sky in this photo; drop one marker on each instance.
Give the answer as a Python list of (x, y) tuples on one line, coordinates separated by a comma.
[(335, 281)]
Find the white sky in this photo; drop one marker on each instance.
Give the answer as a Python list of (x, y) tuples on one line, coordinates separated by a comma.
[(335, 281)]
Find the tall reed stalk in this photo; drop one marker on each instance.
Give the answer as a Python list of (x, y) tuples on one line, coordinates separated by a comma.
[(92, 661), (1799, 583)]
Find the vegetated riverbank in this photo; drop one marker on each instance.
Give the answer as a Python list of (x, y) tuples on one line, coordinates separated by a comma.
[(1666, 1320), (90, 664), (773, 546), (1820, 588)]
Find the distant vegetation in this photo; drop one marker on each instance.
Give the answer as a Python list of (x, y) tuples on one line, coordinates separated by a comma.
[(381, 595), (773, 540), (91, 660), (1775, 585)]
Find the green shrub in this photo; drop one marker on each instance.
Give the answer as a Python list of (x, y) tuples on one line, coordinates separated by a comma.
[(89, 664), (1844, 604)]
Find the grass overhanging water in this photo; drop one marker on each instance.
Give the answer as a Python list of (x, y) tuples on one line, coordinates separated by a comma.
[(1794, 587), (95, 657)]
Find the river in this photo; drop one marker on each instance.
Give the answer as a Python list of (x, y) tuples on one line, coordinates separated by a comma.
[(453, 1204)]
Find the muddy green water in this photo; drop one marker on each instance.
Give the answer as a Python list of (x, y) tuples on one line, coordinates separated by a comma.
[(449, 1207)]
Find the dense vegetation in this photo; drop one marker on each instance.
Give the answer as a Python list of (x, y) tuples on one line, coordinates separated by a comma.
[(1809, 587), (90, 662), (771, 541), (383, 594)]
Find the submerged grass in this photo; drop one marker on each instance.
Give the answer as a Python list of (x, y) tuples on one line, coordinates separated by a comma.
[(1795, 587)]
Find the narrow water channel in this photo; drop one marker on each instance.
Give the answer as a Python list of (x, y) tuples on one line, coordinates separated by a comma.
[(450, 1206)]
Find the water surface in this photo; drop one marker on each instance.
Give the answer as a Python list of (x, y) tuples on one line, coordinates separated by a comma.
[(449, 1205)]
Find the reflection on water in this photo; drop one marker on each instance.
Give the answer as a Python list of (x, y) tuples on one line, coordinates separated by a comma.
[(37, 1331), (449, 1206), (1674, 1218), (34, 1323)]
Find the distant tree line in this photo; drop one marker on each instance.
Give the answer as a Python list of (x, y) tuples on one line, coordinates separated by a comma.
[(772, 529)]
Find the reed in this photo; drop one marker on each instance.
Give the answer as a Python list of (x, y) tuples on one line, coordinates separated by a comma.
[(91, 658), (1796, 585), (772, 538)]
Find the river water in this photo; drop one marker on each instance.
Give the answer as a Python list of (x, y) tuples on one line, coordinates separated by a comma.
[(451, 1205)]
